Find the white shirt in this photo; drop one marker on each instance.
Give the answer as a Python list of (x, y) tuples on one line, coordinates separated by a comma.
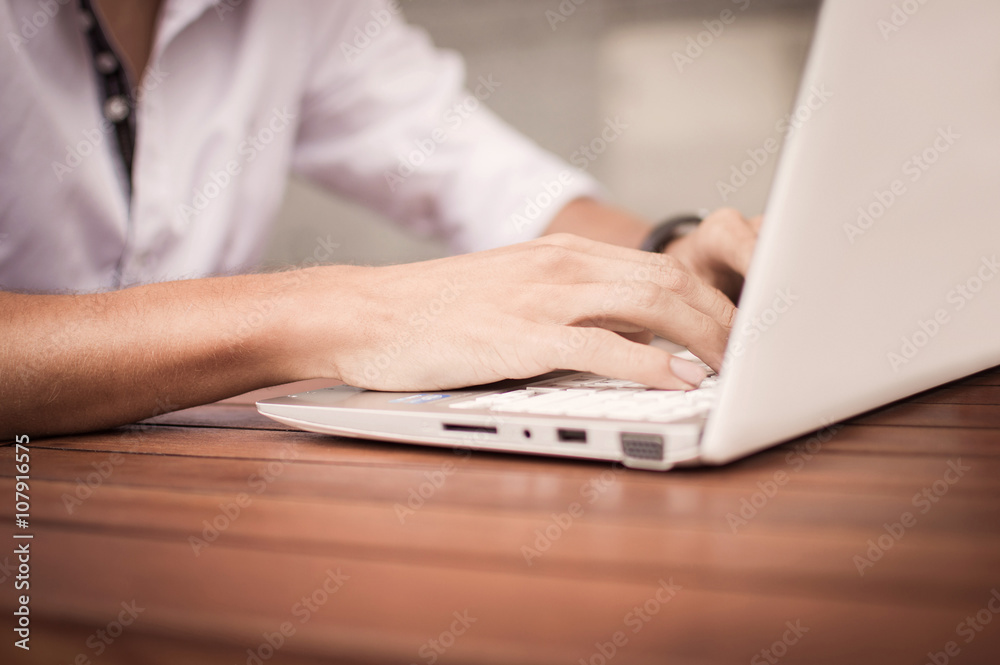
[(236, 95)]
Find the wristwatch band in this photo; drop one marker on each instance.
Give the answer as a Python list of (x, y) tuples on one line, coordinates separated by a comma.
[(666, 232)]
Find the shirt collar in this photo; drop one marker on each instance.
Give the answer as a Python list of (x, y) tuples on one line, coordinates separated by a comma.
[(178, 14)]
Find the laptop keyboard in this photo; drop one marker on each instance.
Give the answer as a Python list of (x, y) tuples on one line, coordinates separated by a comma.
[(594, 396)]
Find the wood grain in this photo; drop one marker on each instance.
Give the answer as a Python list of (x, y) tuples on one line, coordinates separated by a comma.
[(388, 610), (217, 521)]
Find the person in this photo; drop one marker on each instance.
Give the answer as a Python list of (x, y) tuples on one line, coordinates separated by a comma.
[(145, 146)]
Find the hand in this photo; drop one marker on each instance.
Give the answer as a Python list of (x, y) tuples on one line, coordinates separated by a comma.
[(719, 250), (559, 302)]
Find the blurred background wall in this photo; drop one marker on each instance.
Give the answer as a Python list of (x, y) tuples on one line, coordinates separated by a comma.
[(692, 115)]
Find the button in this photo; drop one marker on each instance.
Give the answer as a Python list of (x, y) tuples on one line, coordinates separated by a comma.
[(106, 62), (85, 19), (116, 108), (467, 404)]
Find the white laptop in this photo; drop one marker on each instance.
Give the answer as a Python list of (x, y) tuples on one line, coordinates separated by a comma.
[(875, 276)]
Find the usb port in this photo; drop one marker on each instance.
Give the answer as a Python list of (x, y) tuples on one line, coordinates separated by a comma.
[(572, 435)]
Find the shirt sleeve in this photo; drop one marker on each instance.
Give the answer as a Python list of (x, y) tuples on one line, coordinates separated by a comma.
[(387, 121)]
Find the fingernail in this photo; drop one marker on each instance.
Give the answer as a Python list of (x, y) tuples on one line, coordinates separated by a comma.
[(687, 371)]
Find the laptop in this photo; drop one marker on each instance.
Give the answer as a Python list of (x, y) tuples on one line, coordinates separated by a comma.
[(875, 276)]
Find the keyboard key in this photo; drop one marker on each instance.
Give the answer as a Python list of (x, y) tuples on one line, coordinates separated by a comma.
[(486, 401), (583, 405), (467, 404), (532, 404)]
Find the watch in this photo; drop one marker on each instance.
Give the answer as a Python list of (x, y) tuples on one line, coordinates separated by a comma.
[(666, 232)]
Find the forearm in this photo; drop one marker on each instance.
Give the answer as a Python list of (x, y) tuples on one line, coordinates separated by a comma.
[(597, 221), (77, 363), (82, 362)]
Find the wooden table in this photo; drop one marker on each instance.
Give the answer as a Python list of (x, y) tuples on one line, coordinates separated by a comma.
[(215, 535)]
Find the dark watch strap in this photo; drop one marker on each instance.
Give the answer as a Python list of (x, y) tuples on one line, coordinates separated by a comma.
[(666, 232)]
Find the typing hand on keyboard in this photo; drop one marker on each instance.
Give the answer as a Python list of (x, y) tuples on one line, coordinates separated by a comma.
[(589, 395)]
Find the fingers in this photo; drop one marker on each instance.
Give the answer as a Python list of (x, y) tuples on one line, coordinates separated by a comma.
[(598, 249), (641, 337), (604, 352), (647, 305), (673, 278), (627, 271), (728, 238), (593, 284)]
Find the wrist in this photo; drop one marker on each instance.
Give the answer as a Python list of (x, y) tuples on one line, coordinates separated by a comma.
[(592, 219), (321, 308), (668, 231)]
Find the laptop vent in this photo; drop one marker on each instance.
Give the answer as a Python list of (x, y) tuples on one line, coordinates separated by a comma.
[(643, 446)]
